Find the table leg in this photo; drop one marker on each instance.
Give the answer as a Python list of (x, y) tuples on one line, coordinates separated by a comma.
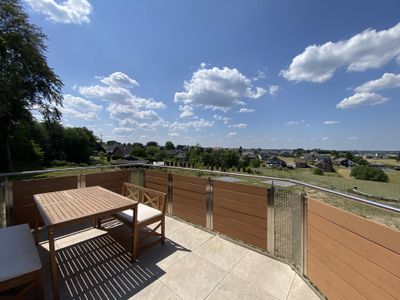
[(53, 263), (135, 235), (37, 220)]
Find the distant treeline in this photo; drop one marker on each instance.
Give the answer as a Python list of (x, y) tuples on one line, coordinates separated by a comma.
[(35, 144)]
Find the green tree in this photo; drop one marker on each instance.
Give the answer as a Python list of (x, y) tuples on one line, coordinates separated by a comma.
[(230, 158), (367, 173), (138, 150), (255, 163), (169, 146), (79, 144), (151, 144), (26, 80), (360, 161)]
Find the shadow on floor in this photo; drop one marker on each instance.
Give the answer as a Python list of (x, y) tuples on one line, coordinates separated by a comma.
[(99, 267)]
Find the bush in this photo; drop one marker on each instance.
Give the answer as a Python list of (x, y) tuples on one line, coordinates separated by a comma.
[(318, 171), (367, 173)]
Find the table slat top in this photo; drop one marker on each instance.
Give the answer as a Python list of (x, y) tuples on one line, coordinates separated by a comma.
[(69, 205)]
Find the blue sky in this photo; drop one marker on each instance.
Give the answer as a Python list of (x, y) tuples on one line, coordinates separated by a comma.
[(269, 74)]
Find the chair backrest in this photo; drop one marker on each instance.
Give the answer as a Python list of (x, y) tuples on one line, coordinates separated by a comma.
[(153, 198)]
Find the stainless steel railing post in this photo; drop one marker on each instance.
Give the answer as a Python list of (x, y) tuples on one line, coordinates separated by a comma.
[(209, 204), (271, 220), (304, 237)]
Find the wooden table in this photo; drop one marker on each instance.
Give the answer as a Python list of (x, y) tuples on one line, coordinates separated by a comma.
[(61, 208)]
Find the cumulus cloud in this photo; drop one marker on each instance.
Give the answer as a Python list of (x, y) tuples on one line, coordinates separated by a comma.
[(240, 125), (387, 81), (330, 122), (369, 49), (233, 133), (273, 89), (353, 138), (221, 118), (198, 124), (79, 108), (129, 110), (69, 11), (325, 138), (119, 79), (246, 110), (186, 111), (363, 98), (217, 88)]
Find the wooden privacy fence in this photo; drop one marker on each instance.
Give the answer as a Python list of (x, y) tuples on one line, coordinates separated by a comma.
[(350, 257)]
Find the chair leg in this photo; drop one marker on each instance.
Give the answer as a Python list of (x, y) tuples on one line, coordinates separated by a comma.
[(163, 231), (39, 285)]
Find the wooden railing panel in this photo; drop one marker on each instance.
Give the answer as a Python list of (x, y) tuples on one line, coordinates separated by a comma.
[(351, 257), (22, 210), (109, 180), (240, 211), (156, 180), (189, 198)]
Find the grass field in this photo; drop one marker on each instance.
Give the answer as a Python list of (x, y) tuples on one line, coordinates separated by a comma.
[(386, 162)]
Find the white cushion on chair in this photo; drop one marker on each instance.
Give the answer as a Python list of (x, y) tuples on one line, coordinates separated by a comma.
[(18, 253), (145, 213)]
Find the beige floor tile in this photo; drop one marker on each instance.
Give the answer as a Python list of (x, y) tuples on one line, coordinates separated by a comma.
[(156, 290), (265, 273), (192, 277), (190, 237), (221, 252), (161, 257), (233, 287), (301, 291)]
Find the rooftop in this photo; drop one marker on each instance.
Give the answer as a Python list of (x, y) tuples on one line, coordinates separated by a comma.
[(193, 264)]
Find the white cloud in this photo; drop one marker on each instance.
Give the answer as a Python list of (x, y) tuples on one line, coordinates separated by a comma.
[(69, 11), (387, 81), (72, 101), (186, 111), (218, 89), (353, 138), (129, 110), (119, 79), (79, 108), (363, 98), (173, 134), (295, 122), (198, 124), (260, 75), (221, 118), (240, 125), (246, 110), (123, 130), (233, 133), (273, 89), (330, 122), (369, 49), (325, 138)]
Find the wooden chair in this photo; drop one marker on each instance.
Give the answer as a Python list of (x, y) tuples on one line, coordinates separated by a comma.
[(151, 210), (20, 264)]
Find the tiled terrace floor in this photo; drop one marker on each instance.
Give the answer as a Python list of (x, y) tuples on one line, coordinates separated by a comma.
[(193, 264)]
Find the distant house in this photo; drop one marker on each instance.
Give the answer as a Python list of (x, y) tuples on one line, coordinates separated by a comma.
[(263, 156), (312, 156), (300, 163), (343, 162), (275, 162), (324, 163)]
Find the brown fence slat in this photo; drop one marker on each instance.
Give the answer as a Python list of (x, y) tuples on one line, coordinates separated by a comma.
[(375, 232), (110, 180), (240, 188)]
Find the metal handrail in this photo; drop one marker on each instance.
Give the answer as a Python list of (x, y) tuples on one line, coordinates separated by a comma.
[(309, 185)]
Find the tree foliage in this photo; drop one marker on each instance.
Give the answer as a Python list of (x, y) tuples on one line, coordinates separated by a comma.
[(26, 81), (169, 146), (367, 173)]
